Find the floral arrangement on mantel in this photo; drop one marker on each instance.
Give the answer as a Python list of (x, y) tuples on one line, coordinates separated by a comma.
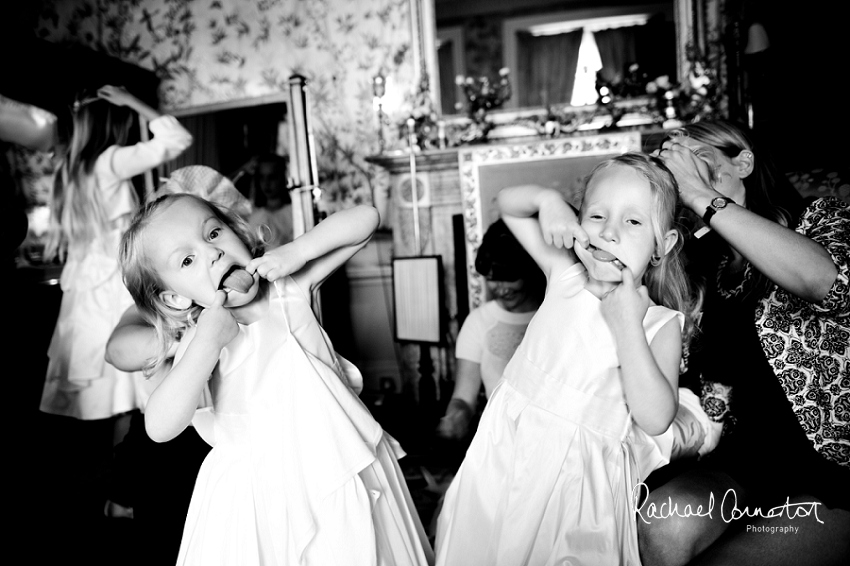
[(692, 100), (424, 117), (656, 101), (482, 95), (695, 98)]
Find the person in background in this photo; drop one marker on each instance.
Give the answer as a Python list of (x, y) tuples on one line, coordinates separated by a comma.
[(269, 195), (492, 332), (771, 361), (92, 202)]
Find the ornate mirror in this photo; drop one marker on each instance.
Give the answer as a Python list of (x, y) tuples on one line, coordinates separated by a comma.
[(482, 36)]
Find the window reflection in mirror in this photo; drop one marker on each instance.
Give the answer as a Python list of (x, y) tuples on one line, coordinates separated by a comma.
[(553, 48)]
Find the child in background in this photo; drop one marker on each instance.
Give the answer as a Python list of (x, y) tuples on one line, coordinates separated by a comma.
[(93, 201), (272, 214), (300, 472), (492, 332), (551, 473)]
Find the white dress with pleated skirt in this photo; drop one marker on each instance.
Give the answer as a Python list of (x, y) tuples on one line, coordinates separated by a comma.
[(550, 475), (79, 383), (299, 473)]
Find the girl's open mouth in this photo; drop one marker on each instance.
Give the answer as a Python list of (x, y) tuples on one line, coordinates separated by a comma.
[(236, 279), (602, 255)]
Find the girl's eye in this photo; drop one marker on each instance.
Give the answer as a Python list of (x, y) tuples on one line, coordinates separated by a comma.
[(214, 233), (634, 222), (187, 261)]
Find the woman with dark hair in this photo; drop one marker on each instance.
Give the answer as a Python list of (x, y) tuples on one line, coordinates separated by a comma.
[(771, 362), (492, 332)]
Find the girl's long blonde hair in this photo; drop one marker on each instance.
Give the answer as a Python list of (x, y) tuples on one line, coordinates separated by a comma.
[(77, 213), (666, 280), (145, 284)]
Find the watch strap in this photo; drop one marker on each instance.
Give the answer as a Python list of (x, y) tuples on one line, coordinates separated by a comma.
[(711, 209)]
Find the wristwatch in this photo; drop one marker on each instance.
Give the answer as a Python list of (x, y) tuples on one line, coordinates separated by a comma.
[(717, 203)]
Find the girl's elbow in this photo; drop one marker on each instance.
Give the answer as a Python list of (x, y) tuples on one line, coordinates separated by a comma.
[(659, 423), (367, 221), (654, 429), (372, 217), (157, 431)]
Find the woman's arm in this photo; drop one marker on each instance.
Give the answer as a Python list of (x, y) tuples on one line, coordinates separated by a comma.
[(543, 223), (172, 404), (791, 260), (314, 256)]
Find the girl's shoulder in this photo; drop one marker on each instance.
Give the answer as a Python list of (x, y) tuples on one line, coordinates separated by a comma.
[(289, 287), (570, 277), (657, 316)]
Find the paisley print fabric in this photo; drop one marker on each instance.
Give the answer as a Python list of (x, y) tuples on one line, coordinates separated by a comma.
[(808, 345)]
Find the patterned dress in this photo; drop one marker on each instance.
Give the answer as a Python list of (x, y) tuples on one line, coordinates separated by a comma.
[(775, 370)]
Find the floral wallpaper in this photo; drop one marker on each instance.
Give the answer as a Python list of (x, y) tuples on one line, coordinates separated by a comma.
[(213, 51)]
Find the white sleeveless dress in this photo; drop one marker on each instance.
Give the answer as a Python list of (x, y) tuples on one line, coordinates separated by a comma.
[(79, 383), (550, 473), (300, 472)]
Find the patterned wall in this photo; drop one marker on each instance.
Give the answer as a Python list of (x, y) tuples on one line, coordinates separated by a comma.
[(213, 51)]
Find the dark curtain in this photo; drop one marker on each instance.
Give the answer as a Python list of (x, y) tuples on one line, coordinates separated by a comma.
[(547, 68), (205, 144), (448, 88), (226, 139), (617, 48)]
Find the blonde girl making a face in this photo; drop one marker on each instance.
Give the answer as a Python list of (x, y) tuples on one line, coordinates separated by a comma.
[(551, 474), (300, 472)]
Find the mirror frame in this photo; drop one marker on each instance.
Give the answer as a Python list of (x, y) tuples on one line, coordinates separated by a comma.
[(697, 21)]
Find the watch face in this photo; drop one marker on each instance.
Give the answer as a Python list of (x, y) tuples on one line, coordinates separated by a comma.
[(719, 202)]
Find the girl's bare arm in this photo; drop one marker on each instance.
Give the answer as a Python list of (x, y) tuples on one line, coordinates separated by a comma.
[(543, 223), (172, 404), (314, 256)]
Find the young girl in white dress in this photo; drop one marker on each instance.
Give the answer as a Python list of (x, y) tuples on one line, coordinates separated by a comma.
[(300, 472), (551, 474), (93, 201)]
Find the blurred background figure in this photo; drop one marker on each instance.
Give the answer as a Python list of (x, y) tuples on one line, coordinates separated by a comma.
[(92, 202), (268, 191), (492, 332)]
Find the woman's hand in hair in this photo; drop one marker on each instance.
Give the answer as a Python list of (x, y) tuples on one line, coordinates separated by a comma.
[(692, 174)]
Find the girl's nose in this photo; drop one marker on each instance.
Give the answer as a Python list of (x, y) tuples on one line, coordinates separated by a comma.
[(215, 254), (608, 233)]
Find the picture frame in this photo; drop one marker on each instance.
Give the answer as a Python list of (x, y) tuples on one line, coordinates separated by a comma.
[(418, 299)]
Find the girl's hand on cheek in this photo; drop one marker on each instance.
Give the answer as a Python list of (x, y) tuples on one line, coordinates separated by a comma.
[(625, 304), (559, 225), (277, 263), (216, 324)]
